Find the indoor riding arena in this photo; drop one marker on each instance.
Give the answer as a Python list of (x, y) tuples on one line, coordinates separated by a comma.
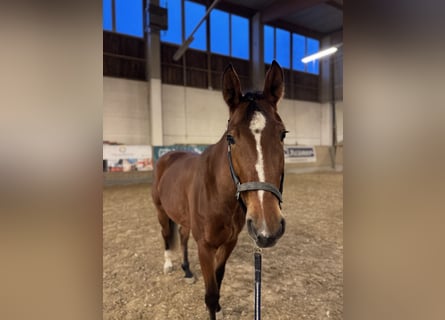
[(165, 89)]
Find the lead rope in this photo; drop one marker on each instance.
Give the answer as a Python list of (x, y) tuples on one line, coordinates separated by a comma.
[(257, 258)]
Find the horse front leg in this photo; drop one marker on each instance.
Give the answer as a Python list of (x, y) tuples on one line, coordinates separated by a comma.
[(188, 275), (207, 261), (222, 255)]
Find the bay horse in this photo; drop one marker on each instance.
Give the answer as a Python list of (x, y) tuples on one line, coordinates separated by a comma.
[(234, 182)]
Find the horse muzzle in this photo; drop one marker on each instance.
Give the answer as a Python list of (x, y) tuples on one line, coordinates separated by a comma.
[(262, 238)]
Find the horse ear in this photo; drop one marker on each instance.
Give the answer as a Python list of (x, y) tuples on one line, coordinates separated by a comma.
[(231, 87), (274, 84)]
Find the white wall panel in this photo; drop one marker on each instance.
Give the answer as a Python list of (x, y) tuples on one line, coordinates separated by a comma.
[(125, 111), (302, 119), (199, 116), (193, 116), (173, 113), (155, 106), (326, 124)]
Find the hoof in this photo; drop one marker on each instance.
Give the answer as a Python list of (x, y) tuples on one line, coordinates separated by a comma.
[(189, 280), (219, 315), (168, 267)]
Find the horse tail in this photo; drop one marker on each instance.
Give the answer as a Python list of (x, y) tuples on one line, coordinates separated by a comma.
[(173, 238)]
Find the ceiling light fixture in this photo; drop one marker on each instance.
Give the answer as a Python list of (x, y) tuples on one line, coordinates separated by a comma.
[(320, 54)]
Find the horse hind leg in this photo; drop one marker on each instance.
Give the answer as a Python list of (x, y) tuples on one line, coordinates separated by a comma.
[(169, 234), (168, 264), (184, 235)]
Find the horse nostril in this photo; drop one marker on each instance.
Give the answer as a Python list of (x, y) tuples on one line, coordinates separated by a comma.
[(266, 241), (283, 225), (250, 228)]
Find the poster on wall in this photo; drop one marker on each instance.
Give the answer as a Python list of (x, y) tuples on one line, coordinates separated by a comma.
[(299, 154), (125, 158)]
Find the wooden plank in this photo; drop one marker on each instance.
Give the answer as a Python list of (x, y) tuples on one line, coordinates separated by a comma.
[(283, 8)]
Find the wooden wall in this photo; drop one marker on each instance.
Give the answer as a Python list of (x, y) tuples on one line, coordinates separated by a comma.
[(124, 57)]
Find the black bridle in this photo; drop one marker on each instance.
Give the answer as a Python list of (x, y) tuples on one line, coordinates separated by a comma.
[(252, 185)]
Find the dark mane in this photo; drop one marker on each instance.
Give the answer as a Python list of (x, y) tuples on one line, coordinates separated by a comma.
[(251, 96)]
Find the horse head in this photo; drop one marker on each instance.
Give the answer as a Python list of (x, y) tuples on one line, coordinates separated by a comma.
[(255, 135)]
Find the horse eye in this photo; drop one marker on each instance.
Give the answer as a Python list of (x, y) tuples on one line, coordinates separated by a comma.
[(230, 139), (283, 134)]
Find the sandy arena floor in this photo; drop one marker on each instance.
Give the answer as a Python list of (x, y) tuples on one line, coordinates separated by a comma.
[(302, 275)]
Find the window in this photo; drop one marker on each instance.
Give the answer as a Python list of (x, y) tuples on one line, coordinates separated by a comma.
[(107, 18), (298, 52), (194, 12), (229, 34), (240, 37), (269, 44), (312, 47), (129, 17), (174, 32), (126, 17), (219, 32), (281, 45)]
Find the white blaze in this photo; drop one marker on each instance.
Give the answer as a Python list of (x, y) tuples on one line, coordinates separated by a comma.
[(257, 124)]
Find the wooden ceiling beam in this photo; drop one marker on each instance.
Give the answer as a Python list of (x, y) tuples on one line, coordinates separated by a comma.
[(282, 8), (297, 29), (335, 4)]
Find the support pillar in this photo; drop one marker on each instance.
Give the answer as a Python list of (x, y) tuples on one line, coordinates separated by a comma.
[(153, 72), (257, 44)]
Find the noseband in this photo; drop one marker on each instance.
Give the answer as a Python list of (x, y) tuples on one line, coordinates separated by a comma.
[(253, 185)]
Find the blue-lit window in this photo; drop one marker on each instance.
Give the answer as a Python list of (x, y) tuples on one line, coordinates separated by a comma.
[(174, 32), (277, 45), (240, 37), (269, 44), (283, 47), (313, 46), (298, 52), (219, 32), (229, 34), (193, 14), (107, 18), (129, 17)]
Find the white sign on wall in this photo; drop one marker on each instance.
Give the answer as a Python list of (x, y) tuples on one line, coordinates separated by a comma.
[(298, 154)]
